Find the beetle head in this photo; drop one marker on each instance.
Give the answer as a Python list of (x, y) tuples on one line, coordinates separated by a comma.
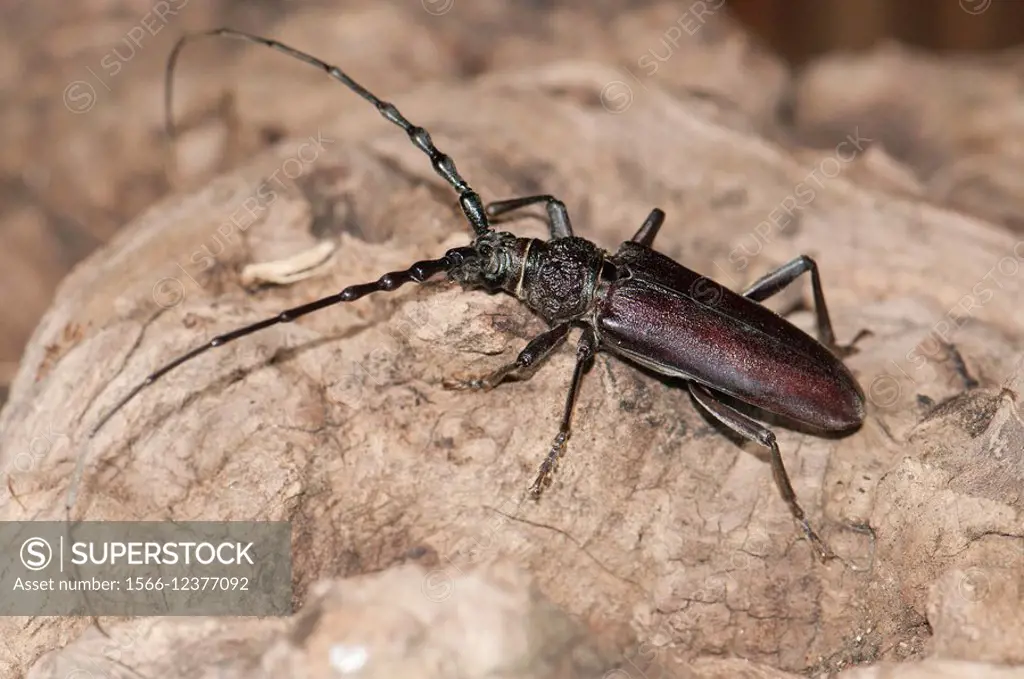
[(496, 262)]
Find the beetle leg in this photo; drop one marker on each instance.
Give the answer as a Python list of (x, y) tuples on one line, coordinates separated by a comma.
[(558, 217), (585, 351), (649, 229), (753, 431), (960, 367), (523, 367), (774, 281)]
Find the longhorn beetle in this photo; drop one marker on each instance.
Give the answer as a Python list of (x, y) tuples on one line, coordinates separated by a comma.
[(636, 303)]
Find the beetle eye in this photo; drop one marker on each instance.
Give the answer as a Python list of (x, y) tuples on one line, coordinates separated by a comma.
[(494, 264)]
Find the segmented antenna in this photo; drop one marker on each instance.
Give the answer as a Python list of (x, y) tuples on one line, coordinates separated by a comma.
[(443, 165), (419, 272)]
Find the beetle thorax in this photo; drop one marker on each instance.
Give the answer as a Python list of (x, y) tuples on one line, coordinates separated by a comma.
[(559, 278), (556, 279)]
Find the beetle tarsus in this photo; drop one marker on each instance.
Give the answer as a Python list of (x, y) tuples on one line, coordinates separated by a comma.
[(585, 351), (472, 384), (550, 465), (753, 431), (960, 367), (825, 552), (849, 349)]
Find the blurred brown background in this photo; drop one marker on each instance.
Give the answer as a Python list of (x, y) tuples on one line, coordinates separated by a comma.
[(57, 203), (802, 29)]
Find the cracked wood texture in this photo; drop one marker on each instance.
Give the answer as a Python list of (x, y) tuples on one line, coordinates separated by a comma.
[(663, 547)]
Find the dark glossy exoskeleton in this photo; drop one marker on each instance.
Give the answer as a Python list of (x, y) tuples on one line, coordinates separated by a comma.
[(636, 303)]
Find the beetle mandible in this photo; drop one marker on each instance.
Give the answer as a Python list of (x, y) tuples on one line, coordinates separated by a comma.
[(636, 303)]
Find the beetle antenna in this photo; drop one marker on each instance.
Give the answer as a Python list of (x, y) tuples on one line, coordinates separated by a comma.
[(443, 165), (418, 273)]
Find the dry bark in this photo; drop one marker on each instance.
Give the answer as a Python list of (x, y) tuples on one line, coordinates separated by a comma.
[(665, 539)]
